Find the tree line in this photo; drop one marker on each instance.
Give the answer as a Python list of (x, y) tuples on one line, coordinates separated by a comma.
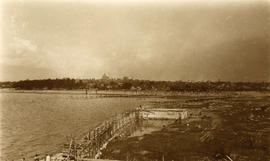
[(136, 85)]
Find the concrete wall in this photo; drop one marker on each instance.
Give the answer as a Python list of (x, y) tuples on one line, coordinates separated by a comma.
[(164, 114)]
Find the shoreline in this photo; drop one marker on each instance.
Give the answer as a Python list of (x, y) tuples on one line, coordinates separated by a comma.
[(178, 129), (132, 92)]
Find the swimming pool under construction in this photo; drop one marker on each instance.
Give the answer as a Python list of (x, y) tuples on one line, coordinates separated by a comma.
[(122, 125)]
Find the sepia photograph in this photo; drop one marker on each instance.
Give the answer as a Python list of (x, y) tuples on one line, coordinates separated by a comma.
[(135, 80)]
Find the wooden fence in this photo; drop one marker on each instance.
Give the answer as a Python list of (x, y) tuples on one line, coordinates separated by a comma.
[(90, 145)]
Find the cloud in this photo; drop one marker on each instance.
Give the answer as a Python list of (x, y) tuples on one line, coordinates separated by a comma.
[(22, 52), (148, 41), (21, 45)]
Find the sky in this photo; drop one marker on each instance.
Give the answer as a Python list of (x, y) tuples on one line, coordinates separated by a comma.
[(157, 40)]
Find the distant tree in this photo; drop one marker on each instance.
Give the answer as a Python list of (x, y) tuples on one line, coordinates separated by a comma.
[(127, 85)]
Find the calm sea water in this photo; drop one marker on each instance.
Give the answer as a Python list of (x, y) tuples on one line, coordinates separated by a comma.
[(39, 122)]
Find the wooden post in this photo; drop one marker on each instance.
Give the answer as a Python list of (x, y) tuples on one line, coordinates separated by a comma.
[(90, 149), (75, 150), (89, 135)]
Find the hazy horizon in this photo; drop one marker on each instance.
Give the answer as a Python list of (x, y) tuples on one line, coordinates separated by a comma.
[(133, 78), (175, 40)]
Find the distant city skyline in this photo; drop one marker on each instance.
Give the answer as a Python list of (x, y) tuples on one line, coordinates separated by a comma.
[(175, 40)]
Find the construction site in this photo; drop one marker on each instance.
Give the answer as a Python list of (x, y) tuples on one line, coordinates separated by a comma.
[(218, 128), (121, 126)]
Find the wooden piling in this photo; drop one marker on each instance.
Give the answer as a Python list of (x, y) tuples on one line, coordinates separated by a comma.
[(90, 145)]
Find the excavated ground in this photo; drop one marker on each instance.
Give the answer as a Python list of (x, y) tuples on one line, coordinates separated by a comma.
[(237, 126)]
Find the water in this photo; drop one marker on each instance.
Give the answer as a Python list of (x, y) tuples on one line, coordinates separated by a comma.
[(39, 122)]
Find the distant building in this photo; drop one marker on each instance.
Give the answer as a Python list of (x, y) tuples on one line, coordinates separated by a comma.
[(105, 77), (125, 78)]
